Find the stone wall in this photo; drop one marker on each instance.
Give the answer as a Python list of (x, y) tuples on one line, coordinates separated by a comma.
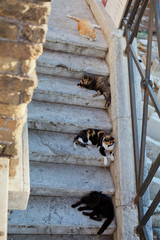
[(23, 26)]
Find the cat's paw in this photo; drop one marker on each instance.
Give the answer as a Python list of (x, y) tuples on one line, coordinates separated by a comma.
[(88, 147), (106, 162), (73, 205), (112, 156), (80, 209), (74, 146)]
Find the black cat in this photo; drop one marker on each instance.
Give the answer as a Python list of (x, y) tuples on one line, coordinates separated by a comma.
[(102, 207)]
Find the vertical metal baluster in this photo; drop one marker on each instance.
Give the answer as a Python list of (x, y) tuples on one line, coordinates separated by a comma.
[(157, 20), (133, 111), (145, 107)]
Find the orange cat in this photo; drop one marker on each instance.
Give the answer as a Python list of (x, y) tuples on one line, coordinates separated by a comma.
[(86, 28)]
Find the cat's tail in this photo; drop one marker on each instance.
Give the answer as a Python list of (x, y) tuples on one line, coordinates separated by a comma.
[(106, 223), (74, 18)]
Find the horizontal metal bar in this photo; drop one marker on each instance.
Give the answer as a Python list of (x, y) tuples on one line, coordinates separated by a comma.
[(154, 99), (150, 176), (150, 211)]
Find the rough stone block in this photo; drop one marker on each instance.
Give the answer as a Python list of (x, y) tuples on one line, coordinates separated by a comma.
[(4, 172), (12, 111), (34, 34), (16, 82), (28, 67), (8, 64), (20, 50), (9, 97), (8, 30), (29, 12), (2, 121)]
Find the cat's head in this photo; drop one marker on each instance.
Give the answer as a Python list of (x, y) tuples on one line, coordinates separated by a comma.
[(85, 82), (108, 142), (94, 198)]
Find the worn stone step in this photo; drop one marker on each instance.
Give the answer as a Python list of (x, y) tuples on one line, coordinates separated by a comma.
[(156, 216), (50, 179), (70, 65), (53, 215), (58, 148), (58, 237), (69, 41), (149, 164), (153, 129), (154, 187), (63, 33), (152, 148), (66, 91), (65, 118)]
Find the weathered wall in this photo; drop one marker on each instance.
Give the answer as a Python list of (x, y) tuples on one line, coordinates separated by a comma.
[(23, 26)]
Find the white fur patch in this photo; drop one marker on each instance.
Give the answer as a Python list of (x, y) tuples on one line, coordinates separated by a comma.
[(105, 161), (74, 145), (89, 142), (80, 140), (112, 156), (106, 146)]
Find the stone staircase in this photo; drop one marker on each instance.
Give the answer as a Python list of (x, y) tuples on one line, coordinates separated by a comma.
[(59, 110)]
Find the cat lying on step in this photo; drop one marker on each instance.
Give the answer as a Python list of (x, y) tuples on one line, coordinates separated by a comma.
[(86, 28), (102, 207), (104, 141), (97, 83)]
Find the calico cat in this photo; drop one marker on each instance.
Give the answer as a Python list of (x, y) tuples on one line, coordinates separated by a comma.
[(86, 28), (102, 207), (97, 83), (104, 141)]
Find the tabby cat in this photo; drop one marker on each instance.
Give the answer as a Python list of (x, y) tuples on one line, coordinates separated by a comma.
[(97, 83), (104, 141), (102, 207), (86, 28)]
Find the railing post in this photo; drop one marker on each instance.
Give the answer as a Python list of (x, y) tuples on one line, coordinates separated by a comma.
[(145, 106)]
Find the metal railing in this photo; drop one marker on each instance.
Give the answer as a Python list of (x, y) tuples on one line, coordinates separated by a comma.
[(130, 24)]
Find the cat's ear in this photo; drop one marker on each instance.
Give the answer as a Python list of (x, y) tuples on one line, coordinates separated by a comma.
[(85, 76), (100, 192)]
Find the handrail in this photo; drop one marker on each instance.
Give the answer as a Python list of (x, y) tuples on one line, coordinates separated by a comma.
[(131, 26)]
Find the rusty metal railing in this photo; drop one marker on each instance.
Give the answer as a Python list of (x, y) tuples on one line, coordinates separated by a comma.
[(132, 18)]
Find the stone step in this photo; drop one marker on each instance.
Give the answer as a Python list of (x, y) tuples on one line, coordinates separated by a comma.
[(70, 65), (58, 237), (153, 129), (53, 215), (69, 41), (50, 179), (149, 164), (152, 148), (66, 91), (65, 118), (156, 217), (63, 33), (154, 187), (58, 148)]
